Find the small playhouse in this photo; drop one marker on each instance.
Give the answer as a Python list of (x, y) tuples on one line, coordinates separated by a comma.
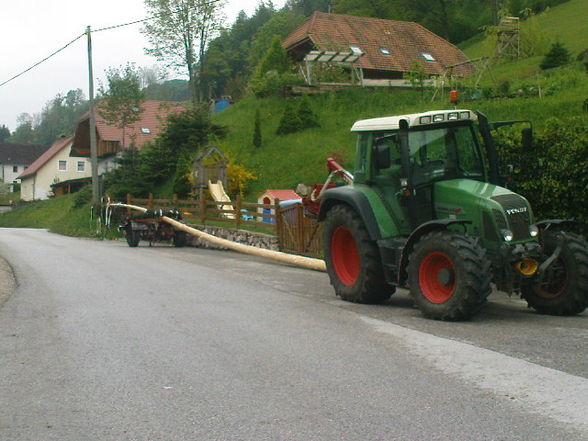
[(286, 197)]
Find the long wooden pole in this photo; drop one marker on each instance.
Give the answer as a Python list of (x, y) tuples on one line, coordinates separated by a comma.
[(291, 259)]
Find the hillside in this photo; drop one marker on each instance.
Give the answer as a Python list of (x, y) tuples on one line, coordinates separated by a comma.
[(566, 23), (284, 161)]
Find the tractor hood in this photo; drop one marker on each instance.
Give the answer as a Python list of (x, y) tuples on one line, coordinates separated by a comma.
[(490, 208)]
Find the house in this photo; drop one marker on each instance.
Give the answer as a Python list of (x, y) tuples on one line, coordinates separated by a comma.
[(55, 166), (111, 140), (383, 50), (15, 158)]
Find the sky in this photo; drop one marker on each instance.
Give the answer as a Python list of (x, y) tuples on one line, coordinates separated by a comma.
[(30, 30)]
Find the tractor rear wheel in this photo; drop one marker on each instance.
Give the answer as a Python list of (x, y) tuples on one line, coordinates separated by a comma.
[(133, 237), (449, 275), (353, 260), (564, 287)]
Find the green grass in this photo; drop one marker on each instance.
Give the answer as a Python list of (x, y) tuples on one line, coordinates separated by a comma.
[(284, 161), (6, 198), (565, 23), (57, 215)]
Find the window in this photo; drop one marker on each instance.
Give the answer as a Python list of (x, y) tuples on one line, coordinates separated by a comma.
[(427, 56), (384, 51), (356, 50), (145, 130), (15, 168), (62, 166), (81, 166)]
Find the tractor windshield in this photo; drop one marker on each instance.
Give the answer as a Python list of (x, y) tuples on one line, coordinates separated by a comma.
[(446, 152)]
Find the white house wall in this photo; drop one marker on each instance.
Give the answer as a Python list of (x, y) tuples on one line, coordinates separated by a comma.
[(49, 174)]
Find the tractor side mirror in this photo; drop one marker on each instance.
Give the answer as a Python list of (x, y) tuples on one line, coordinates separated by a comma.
[(382, 156), (527, 138)]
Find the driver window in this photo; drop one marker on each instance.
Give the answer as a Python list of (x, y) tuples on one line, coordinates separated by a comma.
[(391, 143)]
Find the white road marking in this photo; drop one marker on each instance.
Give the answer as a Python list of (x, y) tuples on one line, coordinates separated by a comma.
[(540, 390)]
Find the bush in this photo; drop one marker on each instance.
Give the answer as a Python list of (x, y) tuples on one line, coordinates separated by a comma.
[(554, 175), (82, 197), (557, 56)]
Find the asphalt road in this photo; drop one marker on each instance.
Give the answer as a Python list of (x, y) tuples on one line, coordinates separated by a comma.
[(103, 342)]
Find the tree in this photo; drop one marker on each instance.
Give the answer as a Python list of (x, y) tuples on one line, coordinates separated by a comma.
[(557, 56), (121, 101), (307, 117), (179, 33), (24, 130), (290, 122), (4, 133)]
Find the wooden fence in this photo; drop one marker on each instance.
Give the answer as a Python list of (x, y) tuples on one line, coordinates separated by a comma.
[(296, 233)]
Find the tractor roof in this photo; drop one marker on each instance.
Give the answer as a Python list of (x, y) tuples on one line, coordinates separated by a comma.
[(413, 119)]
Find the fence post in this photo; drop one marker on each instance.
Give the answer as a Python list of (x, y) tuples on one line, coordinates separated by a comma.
[(129, 202), (299, 229), (174, 201), (203, 209), (238, 211), (278, 222), (150, 201)]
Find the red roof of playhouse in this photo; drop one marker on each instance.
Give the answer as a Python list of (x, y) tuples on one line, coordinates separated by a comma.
[(282, 195), (49, 153)]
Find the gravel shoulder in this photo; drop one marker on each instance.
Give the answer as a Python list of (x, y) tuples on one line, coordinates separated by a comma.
[(7, 281)]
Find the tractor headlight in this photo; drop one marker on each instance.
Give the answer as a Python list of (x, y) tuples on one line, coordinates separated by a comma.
[(534, 230), (506, 235)]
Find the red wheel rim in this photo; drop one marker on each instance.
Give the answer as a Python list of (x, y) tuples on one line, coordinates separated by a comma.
[(437, 277), (344, 256)]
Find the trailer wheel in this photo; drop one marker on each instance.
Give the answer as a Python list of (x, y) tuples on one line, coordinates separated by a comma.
[(449, 276), (180, 239), (352, 259), (133, 237), (564, 289)]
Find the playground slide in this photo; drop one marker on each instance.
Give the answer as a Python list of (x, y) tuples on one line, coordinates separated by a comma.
[(218, 194)]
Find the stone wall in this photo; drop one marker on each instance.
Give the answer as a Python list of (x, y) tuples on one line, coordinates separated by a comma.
[(258, 240)]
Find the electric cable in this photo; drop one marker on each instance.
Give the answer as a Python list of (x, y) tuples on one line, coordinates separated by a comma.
[(43, 60), (107, 28)]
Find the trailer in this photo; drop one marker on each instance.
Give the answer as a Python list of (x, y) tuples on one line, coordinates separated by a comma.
[(150, 226)]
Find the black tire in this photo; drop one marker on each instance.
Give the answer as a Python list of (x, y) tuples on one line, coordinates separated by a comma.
[(133, 237), (352, 259), (449, 275), (565, 288), (180, 239)]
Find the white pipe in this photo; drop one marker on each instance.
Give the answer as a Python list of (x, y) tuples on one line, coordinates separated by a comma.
[(291, 259)]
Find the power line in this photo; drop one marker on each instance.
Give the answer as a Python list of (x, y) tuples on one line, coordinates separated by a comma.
[(108, 28), (43, 60), (153, 17)]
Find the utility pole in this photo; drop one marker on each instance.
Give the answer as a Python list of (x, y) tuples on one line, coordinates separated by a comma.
[(93, 147)]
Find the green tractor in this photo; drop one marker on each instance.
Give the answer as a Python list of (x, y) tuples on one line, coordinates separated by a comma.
[(425, 211)]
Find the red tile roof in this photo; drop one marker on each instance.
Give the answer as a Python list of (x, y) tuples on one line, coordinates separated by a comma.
[(150, 124), (152, 118), (405, 41), (45, 157)]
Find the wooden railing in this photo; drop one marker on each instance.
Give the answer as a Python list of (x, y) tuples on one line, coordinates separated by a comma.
[(235, 213), (296, 232)]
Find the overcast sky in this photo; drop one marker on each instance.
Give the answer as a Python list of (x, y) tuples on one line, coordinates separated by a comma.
[(30, 30)]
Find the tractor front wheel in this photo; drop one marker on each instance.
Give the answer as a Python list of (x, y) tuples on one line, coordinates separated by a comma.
[(353, 260), (449, 276), (563, 289)]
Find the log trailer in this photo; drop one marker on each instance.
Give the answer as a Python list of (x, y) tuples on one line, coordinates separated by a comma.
[(424, 209)]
